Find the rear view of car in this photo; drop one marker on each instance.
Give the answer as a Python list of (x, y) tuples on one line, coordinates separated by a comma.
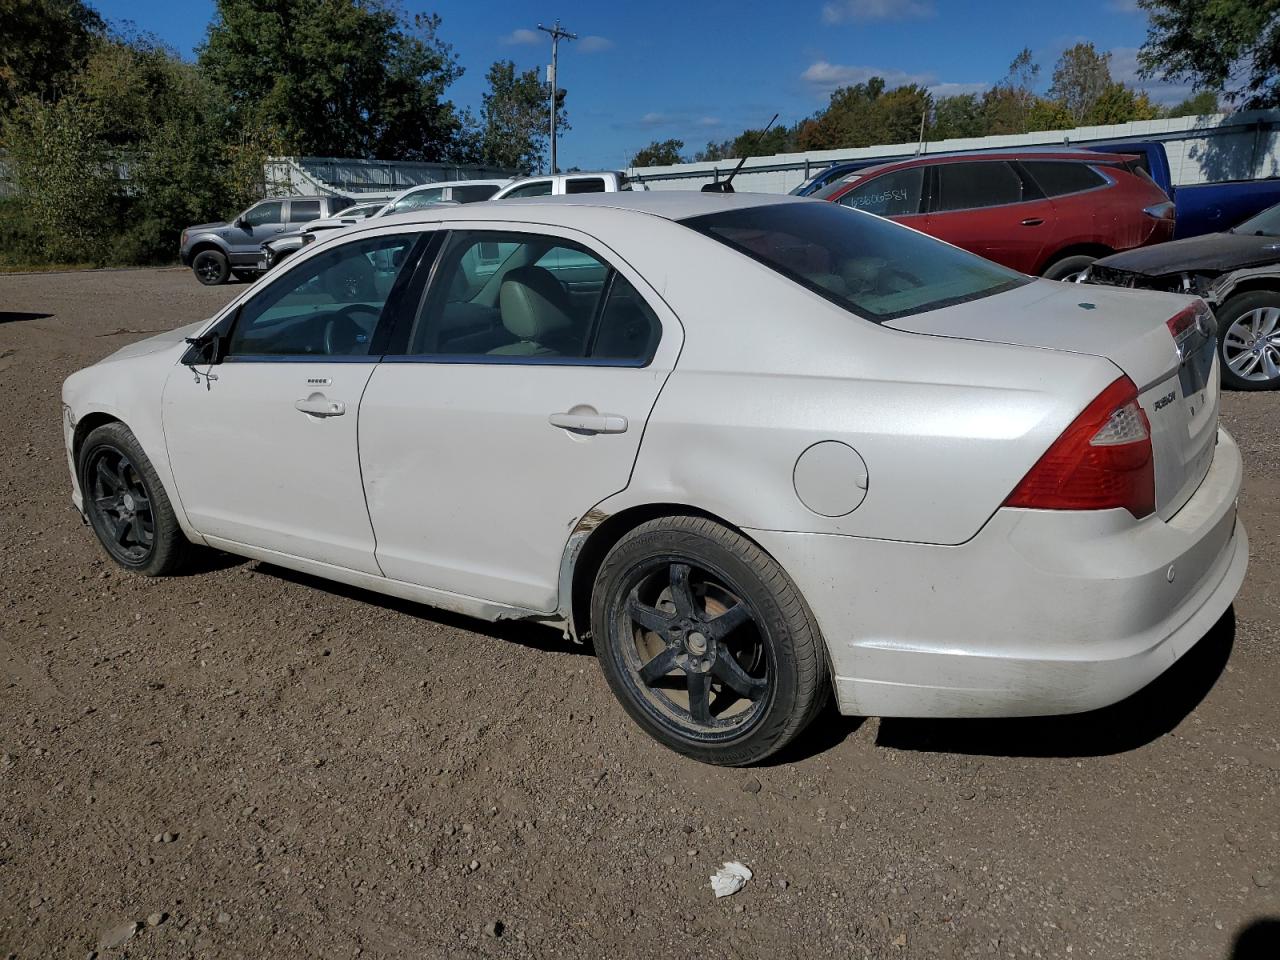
[(1043, 213)]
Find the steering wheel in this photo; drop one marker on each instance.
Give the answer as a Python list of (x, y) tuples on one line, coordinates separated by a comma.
[(342, 332)]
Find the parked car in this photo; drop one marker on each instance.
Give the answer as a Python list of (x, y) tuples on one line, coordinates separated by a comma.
[(1202, 207), (605, 181), (291, 241), (836, 171), (1237, 273), (217, 251), (1046, 213), (709, 432), (456, 191)]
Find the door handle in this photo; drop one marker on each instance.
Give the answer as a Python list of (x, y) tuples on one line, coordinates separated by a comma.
[(317, 405), (1033, 221), (589, 422)]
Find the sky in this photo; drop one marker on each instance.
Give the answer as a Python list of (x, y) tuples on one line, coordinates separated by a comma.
[(704, 70)]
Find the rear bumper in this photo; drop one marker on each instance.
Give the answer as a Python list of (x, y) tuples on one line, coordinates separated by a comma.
[(1043, 612)]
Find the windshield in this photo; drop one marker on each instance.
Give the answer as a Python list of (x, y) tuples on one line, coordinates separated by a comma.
[(1266, 223), (872, 267)]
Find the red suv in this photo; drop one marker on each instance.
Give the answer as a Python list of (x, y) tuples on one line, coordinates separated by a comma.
[(1050, 213)]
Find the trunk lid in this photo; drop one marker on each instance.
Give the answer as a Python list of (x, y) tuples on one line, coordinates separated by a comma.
[(1177, 381)]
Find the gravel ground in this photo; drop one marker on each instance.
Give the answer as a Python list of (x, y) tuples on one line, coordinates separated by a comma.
[(247, 762)]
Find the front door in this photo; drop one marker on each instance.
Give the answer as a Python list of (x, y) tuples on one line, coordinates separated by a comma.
[(263, 444), (248, 232), (515, 402)]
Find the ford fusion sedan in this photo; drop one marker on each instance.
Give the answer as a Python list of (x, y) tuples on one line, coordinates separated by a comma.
[(756, 450)]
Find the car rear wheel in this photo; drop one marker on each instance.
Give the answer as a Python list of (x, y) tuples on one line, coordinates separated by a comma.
[(1068, 269), (1249, 340), (706, 642), (211, 267), (126, 505)]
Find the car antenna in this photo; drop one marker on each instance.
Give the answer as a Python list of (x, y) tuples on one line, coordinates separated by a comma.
[(726, 185)]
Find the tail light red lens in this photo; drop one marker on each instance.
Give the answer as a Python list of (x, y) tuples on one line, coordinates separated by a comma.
[(1103, 461)]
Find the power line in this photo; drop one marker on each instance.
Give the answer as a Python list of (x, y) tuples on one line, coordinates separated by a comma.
[(557, 33)]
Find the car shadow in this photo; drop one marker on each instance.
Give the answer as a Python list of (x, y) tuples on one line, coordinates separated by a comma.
[(1260, 940), (10, 316), (535, 636), (1134, 722), (829, 729)]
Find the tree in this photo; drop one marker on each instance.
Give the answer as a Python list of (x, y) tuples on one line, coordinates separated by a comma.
[(1227, 45), (1119, 104), (1007, 106), (1197, 105), (336, 77), (514, 131), (659, 154), (958, 116), (45, 43), (1080, 78), (1049, 115)]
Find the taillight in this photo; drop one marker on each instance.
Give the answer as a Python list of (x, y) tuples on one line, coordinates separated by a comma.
[(1101, 462), (1161, 211), (1197, 318)]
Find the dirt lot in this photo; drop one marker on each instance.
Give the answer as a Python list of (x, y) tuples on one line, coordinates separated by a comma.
[(284, 768)]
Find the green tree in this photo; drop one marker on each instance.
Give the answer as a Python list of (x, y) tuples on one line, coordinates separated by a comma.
[(1080, 78), (1006, 107), (44, 43), (1120, 104), (659, 153), (1048, 114), (958, 116), (337, 77), (513, 130), (1198, 104), (1227, 45)]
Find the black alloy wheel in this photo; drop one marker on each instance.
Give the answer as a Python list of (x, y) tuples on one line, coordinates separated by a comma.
[(119, 506)]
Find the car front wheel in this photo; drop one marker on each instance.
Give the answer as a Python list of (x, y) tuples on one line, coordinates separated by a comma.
[(1068, 269), (1249, 340), (211, 267), (706, 642), (126, 505)]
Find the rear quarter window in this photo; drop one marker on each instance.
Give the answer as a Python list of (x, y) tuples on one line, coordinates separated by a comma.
[(1059, 178)]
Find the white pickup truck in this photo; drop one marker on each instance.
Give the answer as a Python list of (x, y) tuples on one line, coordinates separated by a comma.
[(606, 181)]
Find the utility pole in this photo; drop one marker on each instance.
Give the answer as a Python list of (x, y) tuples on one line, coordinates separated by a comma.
[(557, 32)]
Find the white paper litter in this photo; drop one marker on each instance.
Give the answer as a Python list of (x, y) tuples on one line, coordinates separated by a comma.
[(730, 878)]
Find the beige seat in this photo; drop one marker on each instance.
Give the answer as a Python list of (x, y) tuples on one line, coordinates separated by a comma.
[(535, 310)]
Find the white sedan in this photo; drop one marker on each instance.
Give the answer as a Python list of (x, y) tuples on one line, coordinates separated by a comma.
[(757, 449)]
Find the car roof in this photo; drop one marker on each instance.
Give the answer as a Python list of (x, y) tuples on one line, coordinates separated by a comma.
[(1027, 153), (666, 204)]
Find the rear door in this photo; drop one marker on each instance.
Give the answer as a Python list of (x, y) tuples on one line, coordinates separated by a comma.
[(989, 208), (506, 410)]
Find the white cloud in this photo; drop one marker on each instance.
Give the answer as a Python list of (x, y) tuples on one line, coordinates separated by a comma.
[(521, 37), (1123, 6), (653, 118), (1124, 68), (825, 77), (594, 44), (845, 10), (707, 122)]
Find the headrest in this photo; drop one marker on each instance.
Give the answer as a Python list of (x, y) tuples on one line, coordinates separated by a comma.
[(533, 304)]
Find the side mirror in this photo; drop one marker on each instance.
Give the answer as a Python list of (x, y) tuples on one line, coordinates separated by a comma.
[(242, 223), (205, 350)]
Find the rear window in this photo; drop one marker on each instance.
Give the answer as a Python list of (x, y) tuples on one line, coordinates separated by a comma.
[(873, 268), (1057, 178), (966, 186), (300, 211), (584, 185), (473, 193)]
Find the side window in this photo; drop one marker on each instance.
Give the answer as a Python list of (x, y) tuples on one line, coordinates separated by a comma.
[(264, 213), (1058, 178), (627, 329), (516, 295), (468, 193), (328, 305), (301, 211), (537, 188), (894, 194), (964, 186), (417, 200), (584, 185)]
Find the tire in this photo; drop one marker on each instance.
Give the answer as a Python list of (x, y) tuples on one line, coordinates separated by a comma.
[(211, 267), (747, 667), (1067, 268), (1245, 321), (127, 506)]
